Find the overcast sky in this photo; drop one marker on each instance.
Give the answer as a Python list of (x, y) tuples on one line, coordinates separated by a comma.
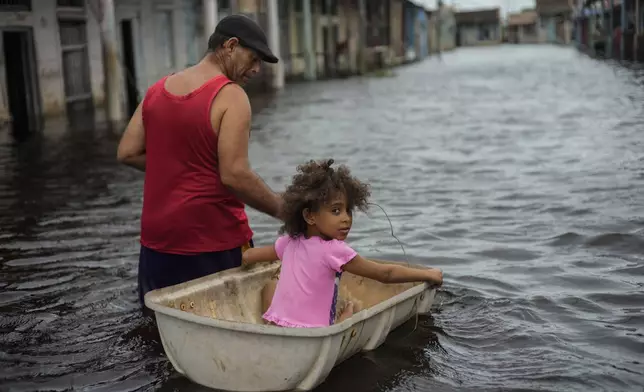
[(506, 5)]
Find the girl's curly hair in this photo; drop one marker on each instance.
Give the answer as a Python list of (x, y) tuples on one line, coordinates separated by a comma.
[(315, 184)]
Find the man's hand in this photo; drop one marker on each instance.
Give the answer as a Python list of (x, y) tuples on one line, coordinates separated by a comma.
[(131, 150)]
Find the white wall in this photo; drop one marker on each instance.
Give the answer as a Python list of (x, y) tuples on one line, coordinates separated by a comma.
[(150, 44), (44, 23), (150, 61), (48, 57)]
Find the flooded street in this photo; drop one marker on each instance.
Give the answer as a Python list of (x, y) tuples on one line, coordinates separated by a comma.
[(517, 170)]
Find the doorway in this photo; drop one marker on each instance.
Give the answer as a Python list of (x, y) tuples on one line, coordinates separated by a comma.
[(20, 78), (326, 47), (129, 69), (330, 36)]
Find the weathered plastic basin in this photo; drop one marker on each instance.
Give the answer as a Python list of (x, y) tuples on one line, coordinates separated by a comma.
[(220, 341)]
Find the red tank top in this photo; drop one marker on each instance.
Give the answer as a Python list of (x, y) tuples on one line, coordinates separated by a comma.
[(186, 208)]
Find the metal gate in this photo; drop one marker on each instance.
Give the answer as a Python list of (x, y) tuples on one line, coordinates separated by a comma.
[(73, 42)]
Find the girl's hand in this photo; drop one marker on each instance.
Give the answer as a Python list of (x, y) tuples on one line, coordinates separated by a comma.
[(435, 276)]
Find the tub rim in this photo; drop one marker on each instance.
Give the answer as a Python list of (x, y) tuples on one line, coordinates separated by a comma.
[(151, 301)]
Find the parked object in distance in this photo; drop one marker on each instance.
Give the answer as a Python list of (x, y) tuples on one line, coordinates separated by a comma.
[(213, 333)]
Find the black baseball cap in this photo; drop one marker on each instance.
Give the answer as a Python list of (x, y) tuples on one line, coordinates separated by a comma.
[(249, 34)]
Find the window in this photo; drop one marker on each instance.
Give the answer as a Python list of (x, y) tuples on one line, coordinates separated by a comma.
[(330, 8), (15, 5), (165, 38), (71, 3), (377, 12), (283, 8), (299, 29), (73, 44), (72, 33)]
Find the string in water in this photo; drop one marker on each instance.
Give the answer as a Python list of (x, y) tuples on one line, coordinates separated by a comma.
[(391, 226)]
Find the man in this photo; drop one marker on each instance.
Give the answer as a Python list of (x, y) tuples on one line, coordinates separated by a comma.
[(190, 137)]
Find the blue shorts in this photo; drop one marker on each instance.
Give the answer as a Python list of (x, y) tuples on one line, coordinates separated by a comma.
[(158, 270)]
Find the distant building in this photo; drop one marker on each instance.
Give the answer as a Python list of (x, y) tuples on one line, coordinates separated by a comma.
[(478, 27), (442, 29), (335, 29), (524, 28), (556, 20)]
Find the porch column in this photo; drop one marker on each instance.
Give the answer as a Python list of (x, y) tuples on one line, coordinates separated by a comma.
[(439, 30), (211, 16), (113, 109), (621, 41), (277, 81), (309, 50), (150, 64)]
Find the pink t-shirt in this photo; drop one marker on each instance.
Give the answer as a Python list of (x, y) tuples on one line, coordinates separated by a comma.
[(307, 289)]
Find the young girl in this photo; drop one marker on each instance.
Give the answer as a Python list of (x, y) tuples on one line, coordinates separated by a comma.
[(318, 213)]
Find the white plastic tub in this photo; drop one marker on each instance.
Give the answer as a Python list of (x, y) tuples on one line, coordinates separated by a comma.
[(213, 333)]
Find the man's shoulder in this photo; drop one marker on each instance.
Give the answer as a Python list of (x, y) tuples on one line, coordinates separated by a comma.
[(232, 100), (232, 96), (233, 92)]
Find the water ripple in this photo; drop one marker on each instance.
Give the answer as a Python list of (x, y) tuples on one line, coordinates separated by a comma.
[(514, 169)]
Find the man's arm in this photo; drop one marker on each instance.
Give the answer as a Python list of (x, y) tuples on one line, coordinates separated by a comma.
[(131, 150), (234, 167)]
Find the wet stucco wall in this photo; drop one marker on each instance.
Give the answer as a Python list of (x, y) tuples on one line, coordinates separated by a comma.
[(470, 34), (43, 22), (160, 43), (155, 54)]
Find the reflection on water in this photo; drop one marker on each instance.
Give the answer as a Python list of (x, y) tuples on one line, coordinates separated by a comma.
[(515, 169)]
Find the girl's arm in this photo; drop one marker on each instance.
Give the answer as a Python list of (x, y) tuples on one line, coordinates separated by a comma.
[(391, 273), (262, 254)]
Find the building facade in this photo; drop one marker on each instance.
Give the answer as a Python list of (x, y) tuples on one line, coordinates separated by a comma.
[(442, 29), (52, 60), (524, 28), (67, 57), (556, 20), (415, 27), (479, 27)]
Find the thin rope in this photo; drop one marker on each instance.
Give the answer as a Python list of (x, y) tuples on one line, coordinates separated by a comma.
[(393, 234), (391, 226)]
